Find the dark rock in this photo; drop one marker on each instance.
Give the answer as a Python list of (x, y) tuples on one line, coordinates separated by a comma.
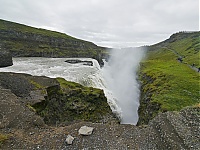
[(16, 114), (5, 58), (170, 130), (75, 61), (17, 83), (25, 41)]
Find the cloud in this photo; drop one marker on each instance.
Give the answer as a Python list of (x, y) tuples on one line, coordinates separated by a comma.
[(107, 22)]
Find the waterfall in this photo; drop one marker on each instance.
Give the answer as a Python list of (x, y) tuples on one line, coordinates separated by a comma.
[(117, 78), (120, 74)]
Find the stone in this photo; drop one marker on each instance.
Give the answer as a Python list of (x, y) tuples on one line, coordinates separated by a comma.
[(84, 130), (69, 140), (5, 58)]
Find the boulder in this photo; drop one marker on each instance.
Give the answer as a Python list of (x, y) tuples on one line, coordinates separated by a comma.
[(5, 58), (85, 130)]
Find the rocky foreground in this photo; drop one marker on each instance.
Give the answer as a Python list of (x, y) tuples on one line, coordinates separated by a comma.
[(23, 126)]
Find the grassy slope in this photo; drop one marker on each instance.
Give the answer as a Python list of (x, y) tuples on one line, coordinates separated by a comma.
[(7, 25), (22, 40), (172, 85)]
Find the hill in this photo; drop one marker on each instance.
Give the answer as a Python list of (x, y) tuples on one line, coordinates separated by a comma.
[(41, 112), (169, 77), (25, 41)]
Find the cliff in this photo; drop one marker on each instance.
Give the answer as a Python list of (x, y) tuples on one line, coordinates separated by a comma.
[(40, 112), (169, 76), (24, 41)]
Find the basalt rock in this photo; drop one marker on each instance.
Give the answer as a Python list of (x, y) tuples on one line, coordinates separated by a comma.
[(5, 58), (25, 41), (75, 61), (70, 102)]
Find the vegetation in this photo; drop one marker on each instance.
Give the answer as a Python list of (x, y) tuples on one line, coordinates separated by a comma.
[(3, 138), (7, 25), (168, 84), (22, 40), (70, 102)]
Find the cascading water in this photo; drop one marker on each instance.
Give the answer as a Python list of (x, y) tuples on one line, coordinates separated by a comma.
[(120, 76), (57, 67), (117, 78)]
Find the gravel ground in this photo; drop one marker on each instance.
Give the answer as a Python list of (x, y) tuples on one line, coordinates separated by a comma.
[(169, 130), (26, 130)]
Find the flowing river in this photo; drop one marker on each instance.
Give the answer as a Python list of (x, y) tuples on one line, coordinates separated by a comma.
[(117, 78)]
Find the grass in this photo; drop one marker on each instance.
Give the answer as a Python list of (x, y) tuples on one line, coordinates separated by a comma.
[(26, 41), (6, 25), (174, 84), (171, 84), (70, 101)]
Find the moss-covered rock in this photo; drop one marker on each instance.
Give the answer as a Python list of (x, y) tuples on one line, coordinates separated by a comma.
[(69, 102)]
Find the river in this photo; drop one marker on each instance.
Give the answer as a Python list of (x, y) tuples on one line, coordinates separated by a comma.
[(116, 78)]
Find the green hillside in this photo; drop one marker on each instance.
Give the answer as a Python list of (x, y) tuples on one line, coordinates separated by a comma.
[(169, 84), (22, 40)]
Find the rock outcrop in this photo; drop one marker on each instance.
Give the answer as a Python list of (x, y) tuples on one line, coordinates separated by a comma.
[(171, 130), (69, 102), (24, 129), (56, 100), (5, 58)]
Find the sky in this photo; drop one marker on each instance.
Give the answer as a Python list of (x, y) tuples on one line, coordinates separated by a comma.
[(109, 23)]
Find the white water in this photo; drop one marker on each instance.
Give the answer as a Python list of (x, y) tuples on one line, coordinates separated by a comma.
[(118, 76), (121, 79), (57, 67)]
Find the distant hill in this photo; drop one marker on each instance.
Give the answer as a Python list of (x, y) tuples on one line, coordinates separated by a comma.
[(22, 40), (169, 75)]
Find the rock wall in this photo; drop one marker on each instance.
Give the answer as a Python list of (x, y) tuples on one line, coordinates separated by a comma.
[(56, 100), (25, 41)]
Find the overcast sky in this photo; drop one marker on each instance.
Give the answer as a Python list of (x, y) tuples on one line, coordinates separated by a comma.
[(111, 23)]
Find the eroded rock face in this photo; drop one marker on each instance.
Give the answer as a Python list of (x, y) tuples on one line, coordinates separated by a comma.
[(57, 104), (5, 58), (73, 102), (13, 114)]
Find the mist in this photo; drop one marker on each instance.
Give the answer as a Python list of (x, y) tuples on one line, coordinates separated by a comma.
[(120, 73)]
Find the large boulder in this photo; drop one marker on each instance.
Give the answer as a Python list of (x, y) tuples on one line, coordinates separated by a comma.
[(5, 58), (70, 102)]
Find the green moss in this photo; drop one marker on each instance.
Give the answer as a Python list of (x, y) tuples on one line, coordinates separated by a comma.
[(22, 40), (3, 138), (71, 101), (36, 85)]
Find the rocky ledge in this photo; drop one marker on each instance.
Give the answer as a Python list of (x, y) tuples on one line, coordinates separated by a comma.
[(5, 58), (32, 117)]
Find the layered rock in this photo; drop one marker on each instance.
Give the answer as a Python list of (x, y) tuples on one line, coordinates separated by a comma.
[(25, 41), (57, 100)]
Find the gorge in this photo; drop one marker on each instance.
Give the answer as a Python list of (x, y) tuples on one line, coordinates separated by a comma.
[(117, 78), (40, 110)]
